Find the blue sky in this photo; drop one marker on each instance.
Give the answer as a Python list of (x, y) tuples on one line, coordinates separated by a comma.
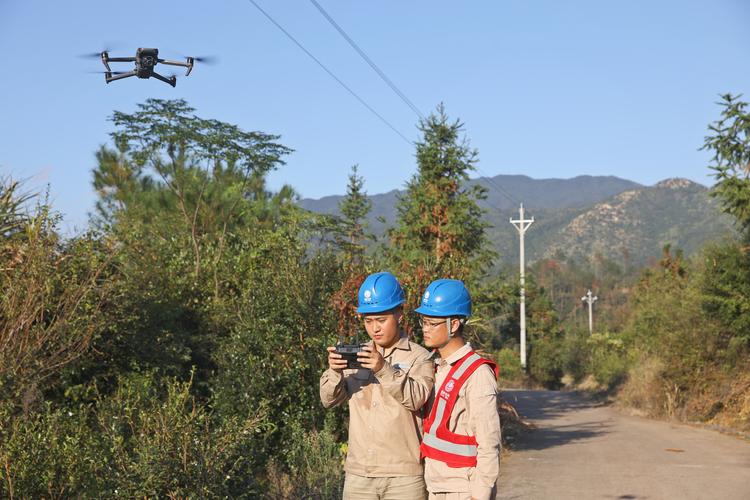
[(545, 88)]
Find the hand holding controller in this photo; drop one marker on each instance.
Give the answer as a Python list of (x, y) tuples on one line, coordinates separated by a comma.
[(349, 353)]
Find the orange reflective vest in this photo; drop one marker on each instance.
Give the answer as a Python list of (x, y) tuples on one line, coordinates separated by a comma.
[(438, 442)]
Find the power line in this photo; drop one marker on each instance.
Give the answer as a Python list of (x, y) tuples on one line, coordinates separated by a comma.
[(367, 59), (398, 91), (498, 187), (330, 73), (381, 74)]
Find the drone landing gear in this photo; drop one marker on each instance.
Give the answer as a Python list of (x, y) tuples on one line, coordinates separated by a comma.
[(109, 78), (172, 80)]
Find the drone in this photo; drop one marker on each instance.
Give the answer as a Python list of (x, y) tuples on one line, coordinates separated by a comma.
[(145, 61)]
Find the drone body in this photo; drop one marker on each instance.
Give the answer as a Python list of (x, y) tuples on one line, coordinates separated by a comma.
[(145, 60)]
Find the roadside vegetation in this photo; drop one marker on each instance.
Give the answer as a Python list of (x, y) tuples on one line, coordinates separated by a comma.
[(670, 340), (174, 349)]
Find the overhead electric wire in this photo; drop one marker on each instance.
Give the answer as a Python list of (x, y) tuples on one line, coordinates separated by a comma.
[(499, 189), (330, 73), (398, 91), (367, 59), (383, 76)]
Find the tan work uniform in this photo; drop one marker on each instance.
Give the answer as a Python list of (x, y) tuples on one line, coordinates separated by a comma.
[(385, 421), (474, 414)]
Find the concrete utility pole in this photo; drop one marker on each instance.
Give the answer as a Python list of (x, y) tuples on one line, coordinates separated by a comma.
[(590, 301), (522, 225)]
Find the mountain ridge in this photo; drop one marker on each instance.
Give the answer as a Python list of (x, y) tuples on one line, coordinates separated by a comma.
[(581, 216)]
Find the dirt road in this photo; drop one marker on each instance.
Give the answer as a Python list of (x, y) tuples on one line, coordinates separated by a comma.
[(586, 450)]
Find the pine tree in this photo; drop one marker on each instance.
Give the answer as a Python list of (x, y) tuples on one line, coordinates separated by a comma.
[(440, 231), (730, 145), (354, 208)]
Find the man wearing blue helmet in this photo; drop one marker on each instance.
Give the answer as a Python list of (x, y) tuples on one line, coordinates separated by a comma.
[(461, 442), (385, 398)]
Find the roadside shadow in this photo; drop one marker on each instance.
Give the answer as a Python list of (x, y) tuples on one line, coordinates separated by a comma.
[(544, 405), (548, 437), (543, 408)]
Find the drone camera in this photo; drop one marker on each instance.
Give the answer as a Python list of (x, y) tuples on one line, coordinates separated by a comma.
[(147, 58)]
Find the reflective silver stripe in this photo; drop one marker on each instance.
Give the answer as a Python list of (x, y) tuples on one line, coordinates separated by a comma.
[(465, 450), (466, 364), (440, 401), (430, 438), (438, 415)]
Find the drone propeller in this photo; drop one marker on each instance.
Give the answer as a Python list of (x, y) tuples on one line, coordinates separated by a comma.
[(109, 72), (109, 48), (92, 55), (206, 59), (210, 60)]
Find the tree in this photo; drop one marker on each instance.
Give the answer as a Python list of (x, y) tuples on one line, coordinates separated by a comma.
[(725, 278), (354, 208), (440, 231), (180, 194), (730, 145), (212, 173)]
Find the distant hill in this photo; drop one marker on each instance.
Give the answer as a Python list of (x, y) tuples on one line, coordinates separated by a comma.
[(635, 225), (585, 215), (579, 191)]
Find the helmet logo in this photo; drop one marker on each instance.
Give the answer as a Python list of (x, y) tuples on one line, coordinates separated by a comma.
[(368, 294), (426, 295)]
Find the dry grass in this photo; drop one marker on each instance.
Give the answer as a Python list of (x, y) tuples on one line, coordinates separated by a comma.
[(513, 425), (725, 402), (721, 399), (643, 393)]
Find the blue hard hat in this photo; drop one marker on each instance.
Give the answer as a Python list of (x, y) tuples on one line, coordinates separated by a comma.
[(380, 292), (444, 298)]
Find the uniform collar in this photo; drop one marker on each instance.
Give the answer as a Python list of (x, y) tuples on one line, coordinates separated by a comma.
[(460, 353), (402, 343)]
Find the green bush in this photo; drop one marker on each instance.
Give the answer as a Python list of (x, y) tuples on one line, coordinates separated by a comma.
[(142, 441), (509, 364), (545, 364), (608, 360), (314, 461), (724, 284), (280, 326), (51, 454), (575, 355)]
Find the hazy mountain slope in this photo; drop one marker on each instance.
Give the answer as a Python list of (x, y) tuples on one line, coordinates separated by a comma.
[(639, 223), (579, 191), (631, 227), (616, 218)]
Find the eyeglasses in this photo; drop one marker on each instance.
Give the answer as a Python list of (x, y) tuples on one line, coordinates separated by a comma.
[(429, 325)]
